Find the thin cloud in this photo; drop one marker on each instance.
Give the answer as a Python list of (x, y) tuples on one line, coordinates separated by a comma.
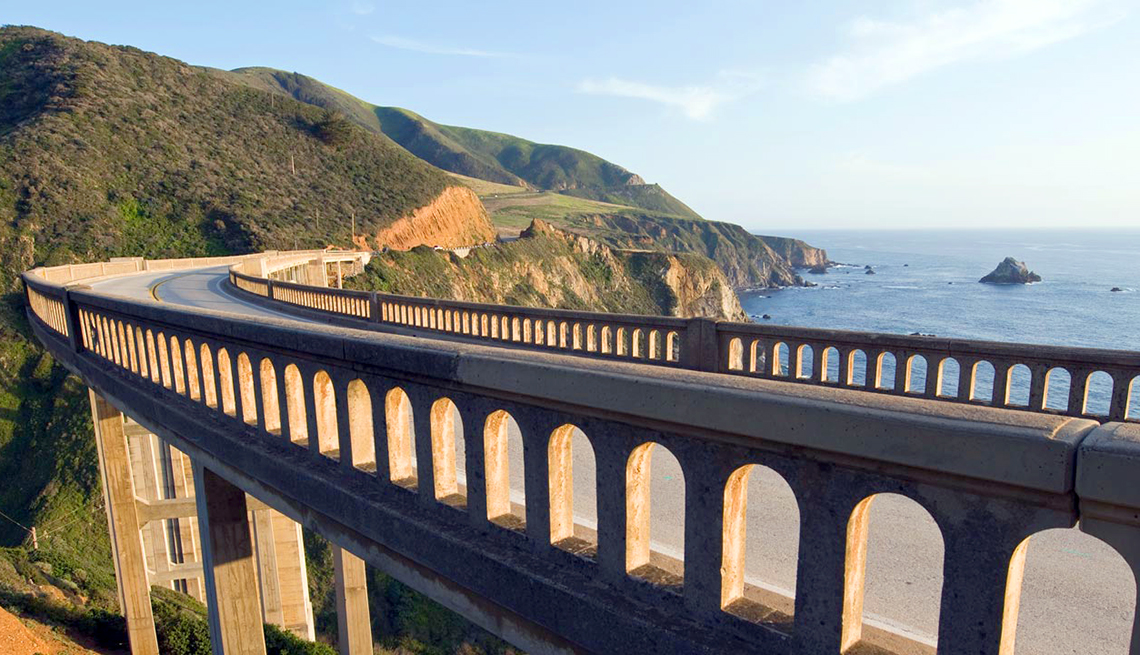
[(403, 43), (362, 8), (697, 102), (885, 53)]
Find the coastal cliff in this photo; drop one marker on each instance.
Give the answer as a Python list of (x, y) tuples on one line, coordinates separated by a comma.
[(548, 267), (747, 260), (453, 219)]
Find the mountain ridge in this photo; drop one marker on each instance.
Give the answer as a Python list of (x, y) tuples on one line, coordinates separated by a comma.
[(483, 154)]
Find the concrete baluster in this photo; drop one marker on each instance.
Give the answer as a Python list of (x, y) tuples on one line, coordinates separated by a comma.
[(378, 389), (610, 457), (536, 429), (422, 402), (981, 589), (1078, 390), (1038, 385), (1121, 394), (474, 414), (822, 567), (705, 478)]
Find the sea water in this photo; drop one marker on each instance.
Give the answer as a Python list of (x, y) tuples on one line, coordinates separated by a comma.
[(926, 281)]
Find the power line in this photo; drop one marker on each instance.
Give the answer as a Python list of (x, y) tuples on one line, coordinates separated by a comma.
[(15, 521)]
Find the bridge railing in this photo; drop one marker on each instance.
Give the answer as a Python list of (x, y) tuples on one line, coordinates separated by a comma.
[(1081, 382), (364, 428)]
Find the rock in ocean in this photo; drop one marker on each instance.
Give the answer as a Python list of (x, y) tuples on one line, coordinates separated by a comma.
[(1011, 271)]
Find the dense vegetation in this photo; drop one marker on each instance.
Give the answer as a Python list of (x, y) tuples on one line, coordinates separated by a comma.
[(480, 154)]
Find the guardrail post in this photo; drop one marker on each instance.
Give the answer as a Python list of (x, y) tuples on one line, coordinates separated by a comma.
[(374, 307), (701, 348), (74, 325)]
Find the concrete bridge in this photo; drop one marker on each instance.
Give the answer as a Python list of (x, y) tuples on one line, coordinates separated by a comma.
[(385, 423)]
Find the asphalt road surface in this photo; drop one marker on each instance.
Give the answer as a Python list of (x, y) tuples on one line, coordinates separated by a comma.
[(1078, 596)]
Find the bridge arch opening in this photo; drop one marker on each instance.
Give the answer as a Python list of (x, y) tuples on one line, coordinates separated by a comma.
[(1058, 381), (893, 543), (226, 383), (1061, 569), (592, 338), (735, 354), (447, 450), (401, 438), (209, 381), (673, 346), (781, 357), (573, 505), (192, 379), (1098, 394), (1017, 385), (152, 357), (360, 431), (247, 390), (607, 340), (805, 362), (655, 550), (982, 389), (269, 398), (917, 368), (949, 371), (324, 404), (503, 457), (758, 567), (178, 366), (164, 360), (886, 370), (295, 406), (576, 336), (856, 368), (757, 357), (829, 364)]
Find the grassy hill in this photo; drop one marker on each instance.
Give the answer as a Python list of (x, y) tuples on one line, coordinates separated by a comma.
[(108, 151), (480, 154)]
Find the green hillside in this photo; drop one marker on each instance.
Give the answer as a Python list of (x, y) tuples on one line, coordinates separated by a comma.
[(480, 154), (108, 151)]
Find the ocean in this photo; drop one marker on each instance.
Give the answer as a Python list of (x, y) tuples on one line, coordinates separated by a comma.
[(926, 281)]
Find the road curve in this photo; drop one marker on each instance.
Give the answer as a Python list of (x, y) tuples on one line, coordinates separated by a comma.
[(1078, 595)]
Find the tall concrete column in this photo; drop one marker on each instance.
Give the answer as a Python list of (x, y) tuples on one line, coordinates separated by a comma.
[(123, 522), (353, 621), (229, 569), (293, 576)]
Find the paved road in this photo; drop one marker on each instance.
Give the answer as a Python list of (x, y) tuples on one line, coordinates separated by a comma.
[(1078, 595)]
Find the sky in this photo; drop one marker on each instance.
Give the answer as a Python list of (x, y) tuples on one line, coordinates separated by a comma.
[(773, 115)]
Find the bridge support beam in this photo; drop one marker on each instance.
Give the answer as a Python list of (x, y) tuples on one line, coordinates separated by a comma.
[(229, 569), (353, 620), (123, 522)]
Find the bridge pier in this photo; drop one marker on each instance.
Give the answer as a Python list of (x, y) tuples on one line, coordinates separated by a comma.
[(232, 594), (353, 623), (123, 522)]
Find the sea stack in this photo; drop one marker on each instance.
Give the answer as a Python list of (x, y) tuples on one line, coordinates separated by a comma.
[(1011, 271)]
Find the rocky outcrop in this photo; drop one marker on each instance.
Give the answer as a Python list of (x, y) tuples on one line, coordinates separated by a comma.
[(748, 261), (547, 267), (454, 218), (1011, 271)]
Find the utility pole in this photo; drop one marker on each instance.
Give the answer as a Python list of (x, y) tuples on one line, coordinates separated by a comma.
[(354, 227), (35, 541), (292, 165)]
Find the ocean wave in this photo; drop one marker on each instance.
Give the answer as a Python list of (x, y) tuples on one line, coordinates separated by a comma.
[(902, 287)]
